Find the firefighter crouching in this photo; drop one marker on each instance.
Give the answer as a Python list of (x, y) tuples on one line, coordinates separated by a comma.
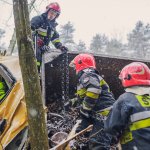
[(129, 119), (94, 95)]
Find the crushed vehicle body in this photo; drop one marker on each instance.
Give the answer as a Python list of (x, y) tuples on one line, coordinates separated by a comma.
[(12, 106), (13, 115)]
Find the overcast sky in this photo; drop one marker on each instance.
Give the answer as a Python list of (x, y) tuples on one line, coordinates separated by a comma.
[(115, 18)]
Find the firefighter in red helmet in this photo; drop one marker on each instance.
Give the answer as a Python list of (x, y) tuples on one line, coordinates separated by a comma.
[(95, 98), (44, 29), (129, 120)]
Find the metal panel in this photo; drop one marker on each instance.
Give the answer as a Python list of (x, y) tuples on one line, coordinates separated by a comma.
[(108, 66)]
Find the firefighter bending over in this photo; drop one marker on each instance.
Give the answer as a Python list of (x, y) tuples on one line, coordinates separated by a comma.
[(95, 96), (129, 119)]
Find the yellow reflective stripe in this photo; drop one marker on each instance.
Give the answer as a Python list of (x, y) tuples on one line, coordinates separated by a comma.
[(38, 63), (2, 95), (143, 100), (94, 90), (104, 113), (92, 95), (2, 85), (42, 32), (126, 137), (140, 124), (55, 41), (102, 82), (81, 92)]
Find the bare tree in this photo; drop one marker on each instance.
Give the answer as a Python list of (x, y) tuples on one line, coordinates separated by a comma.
[(35, 110)]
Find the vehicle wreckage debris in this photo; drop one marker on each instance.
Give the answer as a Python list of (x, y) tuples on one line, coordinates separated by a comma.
[(60, 122)]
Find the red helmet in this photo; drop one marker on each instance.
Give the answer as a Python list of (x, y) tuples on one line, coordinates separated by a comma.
[(134, 74), (83, 61), (54, 6)]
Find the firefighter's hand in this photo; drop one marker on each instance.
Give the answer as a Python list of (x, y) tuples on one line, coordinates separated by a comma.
[(63, 49), (67, 106), (84, 113), (71, 103), (45, 48), (84, 124)]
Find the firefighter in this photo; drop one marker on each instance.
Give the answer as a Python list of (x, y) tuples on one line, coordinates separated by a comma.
[(129, 120), (2, 88), (95, 97), (44, 28)]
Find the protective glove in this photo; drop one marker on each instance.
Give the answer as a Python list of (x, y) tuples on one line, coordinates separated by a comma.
[(85, 113), (85, 122), (67, 106), (40, 42), (45, 48), (71, 103), (63, 49)]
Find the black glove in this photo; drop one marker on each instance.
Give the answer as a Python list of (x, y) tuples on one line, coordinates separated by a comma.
[(67, 106), (71, 103), (45, 48), (63, 49), (85, 113), (85, 122)]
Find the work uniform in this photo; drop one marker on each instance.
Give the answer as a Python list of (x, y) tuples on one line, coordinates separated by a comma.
[(95, 95), (129, 119), (2, 90), (46, 31)]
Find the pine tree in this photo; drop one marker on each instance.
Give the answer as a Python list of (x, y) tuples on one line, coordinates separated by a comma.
[(81, 46), (114, 47), (66, 33), (139, 39), (99, 43)]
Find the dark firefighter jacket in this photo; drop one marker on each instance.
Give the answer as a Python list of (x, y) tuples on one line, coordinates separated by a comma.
[(46, 30), (129, 120), (2, 90), (94, 92)]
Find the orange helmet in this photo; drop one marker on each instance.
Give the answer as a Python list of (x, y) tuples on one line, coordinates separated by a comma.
[(134, 74), (55, 7), (83, 61)]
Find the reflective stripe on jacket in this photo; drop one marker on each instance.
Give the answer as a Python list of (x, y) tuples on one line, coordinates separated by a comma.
[(130, 120), (94, 91), (46, 30)]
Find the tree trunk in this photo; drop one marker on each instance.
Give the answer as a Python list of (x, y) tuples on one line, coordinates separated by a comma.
[(13, 38), (35, 110)]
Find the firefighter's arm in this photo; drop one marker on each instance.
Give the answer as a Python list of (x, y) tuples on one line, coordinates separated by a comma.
[(36, 22), (93, 90), (56, 42), (118, 118)]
